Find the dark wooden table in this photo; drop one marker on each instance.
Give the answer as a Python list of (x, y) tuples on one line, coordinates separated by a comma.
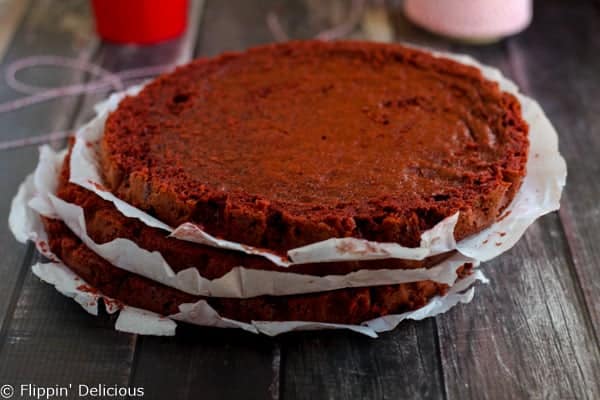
[(533, 332)]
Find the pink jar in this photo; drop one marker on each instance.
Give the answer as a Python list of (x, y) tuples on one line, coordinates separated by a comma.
[(470, 20)]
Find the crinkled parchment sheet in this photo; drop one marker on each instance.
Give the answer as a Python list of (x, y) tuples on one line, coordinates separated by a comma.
[(26, 224), (540, 194), (135, 320), (240, 282)]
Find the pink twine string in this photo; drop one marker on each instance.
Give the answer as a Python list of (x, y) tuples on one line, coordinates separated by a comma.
[(55, 61), (102, 79), (39, 139)]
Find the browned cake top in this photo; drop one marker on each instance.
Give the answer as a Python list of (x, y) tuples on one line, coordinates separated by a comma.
[(287, 144)]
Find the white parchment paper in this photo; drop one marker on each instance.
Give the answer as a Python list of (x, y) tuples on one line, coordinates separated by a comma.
[(38, 194), (26, 225), (131, 319), (542, 186), (539, 194), (143, 322)]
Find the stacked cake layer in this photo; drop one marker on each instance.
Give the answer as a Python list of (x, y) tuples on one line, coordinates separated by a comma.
[(296, 186)]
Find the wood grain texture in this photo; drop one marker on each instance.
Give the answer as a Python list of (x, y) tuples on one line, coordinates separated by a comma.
[(44, 331), (531, 333), (558, 61), (51, 340), (15, 258), (36, 35), (401, 364), (11, 13), (238, 24), (527, 333), (41, 323), (207, 363)]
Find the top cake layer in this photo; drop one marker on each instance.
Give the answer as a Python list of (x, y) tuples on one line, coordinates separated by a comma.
[(289, 144)]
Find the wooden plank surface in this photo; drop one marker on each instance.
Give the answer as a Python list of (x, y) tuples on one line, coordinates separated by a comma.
[(42, 330), (42, 324), (401, 364), (238, 24), (36, 35), (558, 60), (208, 364), (11, 13), (527, 333), (531, 333)]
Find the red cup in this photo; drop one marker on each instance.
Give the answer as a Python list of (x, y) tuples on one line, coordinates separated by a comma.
[(140, 21)]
